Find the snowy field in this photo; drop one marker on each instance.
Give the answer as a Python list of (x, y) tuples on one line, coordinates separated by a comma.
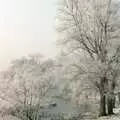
[(9, 117)]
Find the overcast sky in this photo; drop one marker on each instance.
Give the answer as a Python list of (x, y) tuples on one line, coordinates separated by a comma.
[(26, 26)]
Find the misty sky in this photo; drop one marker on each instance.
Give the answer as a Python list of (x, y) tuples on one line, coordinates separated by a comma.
[(26, 26)]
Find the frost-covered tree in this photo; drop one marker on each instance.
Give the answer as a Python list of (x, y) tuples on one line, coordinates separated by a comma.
[(90, 29), (28, 80)]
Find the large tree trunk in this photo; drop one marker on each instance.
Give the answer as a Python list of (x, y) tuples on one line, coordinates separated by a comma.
[(114, 101), (119, 97), (102, 105), (110, 103), (111, 96), (103, 83)]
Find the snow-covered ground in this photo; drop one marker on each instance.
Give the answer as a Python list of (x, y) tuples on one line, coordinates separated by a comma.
[(112, 117), (8, 117)]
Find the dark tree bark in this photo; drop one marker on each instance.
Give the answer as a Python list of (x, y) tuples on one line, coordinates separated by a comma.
[(111, 96), (103, 83), (110, 104), (102, 106), (114, 101), (119, 97)]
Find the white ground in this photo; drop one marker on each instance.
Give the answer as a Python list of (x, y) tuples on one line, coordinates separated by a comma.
[(113, 117), (8, 118)]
